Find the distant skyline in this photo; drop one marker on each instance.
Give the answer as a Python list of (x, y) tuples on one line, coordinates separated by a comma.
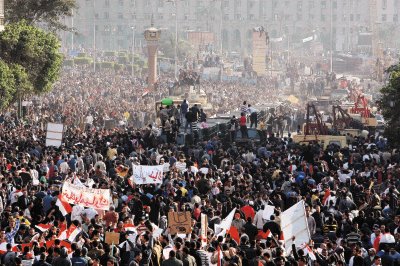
[(233, 20)]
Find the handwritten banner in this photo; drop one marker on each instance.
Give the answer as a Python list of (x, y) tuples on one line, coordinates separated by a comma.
[(86, 197), (147, 174)]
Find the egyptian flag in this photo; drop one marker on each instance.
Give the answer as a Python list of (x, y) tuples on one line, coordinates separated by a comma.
[(130, 227), (325, 199), (234, 233), (281, 238), (219, 263), (43, 227), (63, 205), (264, 235)]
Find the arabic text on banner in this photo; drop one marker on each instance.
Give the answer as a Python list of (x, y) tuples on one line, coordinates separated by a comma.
[(147, 174), (86, 197)]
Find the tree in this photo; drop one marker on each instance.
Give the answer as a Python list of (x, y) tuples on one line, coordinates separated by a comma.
[(389, 104), (40, 11), (7, 85), (31, 57)]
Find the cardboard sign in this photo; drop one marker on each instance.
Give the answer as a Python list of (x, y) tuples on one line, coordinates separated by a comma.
[(112, 238), (179, 222)]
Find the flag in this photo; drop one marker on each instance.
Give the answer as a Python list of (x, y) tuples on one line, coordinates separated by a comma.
[(130, 227), (70, 234), (43, 227), (63, 205), (264, 235), (74, 234), (308, 251), (234, 232), (219, 256), (248, 211), (281, 237), (223, 227), (327, 195)]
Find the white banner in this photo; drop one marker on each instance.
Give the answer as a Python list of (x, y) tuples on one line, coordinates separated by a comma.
[(268, 211), (294, 223), (54, 134), (147, 174), (86, 197)]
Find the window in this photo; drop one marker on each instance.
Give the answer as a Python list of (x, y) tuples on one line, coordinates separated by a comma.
[(287, 17), (238, 16), (322, 17), (106, 15), (395, 18), (384, 4), (238, 3), (251, 16), (358, 17), (274, 4), (120, 28), (226, 3), (251, 4), (299, 5), (160, 3), (334, 4), (276, 16), (161, 17), (186, 17), (134, 16), (384, 17), (351, 17), (226, 17), (147, 16), (310, 4), (120, 15), (107, 3), (334, 18), (96, 15), (323, 4), (96, 27), (299, 17), (121, 2), (311, 16)]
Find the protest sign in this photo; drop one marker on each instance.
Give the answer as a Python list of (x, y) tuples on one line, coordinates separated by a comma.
[(294, 223), (54, 134), (179, 222), (86, 197), (180, 166), (204, 229), (268, 211), (112, 238), (147, 174)]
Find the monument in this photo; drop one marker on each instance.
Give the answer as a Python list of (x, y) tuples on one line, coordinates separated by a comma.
[(152, 36)]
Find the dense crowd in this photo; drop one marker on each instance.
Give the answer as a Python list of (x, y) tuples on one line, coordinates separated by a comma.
[(351, 193)]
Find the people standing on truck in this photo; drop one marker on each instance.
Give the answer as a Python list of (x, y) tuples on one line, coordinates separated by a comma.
[(243, 125), (234, 125)]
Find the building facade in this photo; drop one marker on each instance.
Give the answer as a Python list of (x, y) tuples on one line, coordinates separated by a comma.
[(110, 24)]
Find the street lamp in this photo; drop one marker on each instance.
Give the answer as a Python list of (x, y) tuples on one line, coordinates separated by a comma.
[(1, 15), (176, 38), (133, 49), (94, 36)]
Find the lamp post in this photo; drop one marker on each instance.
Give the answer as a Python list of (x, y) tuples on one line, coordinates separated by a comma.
[(152, 36), (133, 50), (174, 2), (94, 36)]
